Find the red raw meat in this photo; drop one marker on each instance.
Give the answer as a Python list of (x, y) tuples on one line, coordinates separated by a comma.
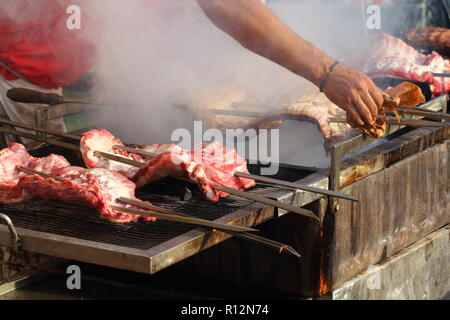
[(103, 140), (97, 187), (392, 57), (205, 165), (13, 157)]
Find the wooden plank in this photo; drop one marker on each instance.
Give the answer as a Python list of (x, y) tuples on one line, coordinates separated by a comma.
[(399, 205)]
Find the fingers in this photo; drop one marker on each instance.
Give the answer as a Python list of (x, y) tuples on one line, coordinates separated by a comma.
[(353, 117), (377, 95), (352, 122), (363, 110), (370, 102)]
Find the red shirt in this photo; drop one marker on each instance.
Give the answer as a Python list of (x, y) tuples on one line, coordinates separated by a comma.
[(36, 43)]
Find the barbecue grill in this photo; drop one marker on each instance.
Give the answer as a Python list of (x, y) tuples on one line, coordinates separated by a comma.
[(72, 231)]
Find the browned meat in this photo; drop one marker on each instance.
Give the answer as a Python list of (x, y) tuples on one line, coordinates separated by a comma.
[(433, 38), (405, 94), (316, 109)]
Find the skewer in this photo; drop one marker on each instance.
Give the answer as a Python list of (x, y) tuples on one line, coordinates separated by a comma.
[(394, 121), (249, 236), (236, 113), (260, 178), (297, 186), (140, 164), (232, 191), (423, 112), (160, 213), (42, 174), (69, 146), (42, 130), (442, 75)]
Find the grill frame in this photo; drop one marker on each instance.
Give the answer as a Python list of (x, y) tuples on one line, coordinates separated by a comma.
[(153, 259), (169, 252)]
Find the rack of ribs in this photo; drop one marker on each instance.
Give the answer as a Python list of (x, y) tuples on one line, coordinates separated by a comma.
[(15, 156), (392, 57), (100, 188), (206, 164)]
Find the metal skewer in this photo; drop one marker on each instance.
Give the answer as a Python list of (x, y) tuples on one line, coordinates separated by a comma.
[(160, 213), (394, 121), (423, 112), (259, 178), (232, 191), (249, 236), (55, 142), (42, 130), (42, 174), (442, 75)]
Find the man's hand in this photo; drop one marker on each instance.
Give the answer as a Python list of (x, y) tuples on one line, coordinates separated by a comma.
[(355, 93), (254, 26)]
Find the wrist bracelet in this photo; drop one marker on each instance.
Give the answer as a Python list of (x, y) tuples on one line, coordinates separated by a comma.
[(326, 76)]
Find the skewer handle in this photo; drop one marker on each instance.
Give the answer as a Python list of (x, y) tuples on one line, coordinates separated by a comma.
[(31, 96)]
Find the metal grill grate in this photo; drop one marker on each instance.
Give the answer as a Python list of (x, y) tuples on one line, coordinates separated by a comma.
[(82, 222)]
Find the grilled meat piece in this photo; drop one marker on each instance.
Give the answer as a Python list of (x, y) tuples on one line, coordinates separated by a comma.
[(433, 38), (15, 156), (392, 57), (97, 187), (405, 94), (206, 165), (316, 109)]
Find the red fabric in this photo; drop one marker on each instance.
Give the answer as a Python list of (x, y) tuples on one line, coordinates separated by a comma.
[(36, 43)]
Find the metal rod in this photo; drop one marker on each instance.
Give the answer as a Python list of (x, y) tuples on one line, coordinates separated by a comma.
[(281, 247), (120, 159), (69, 146), (394, 121), (43, 130), (236, 113), (442, 75), (42, 174), (424, 113), (239, 193), (297, 186), (267, 201), (160, 213), (259, 178)]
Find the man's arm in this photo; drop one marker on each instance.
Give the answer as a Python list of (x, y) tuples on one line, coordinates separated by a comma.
[(256, 28)]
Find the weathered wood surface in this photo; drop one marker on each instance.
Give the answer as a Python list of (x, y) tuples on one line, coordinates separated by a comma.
[(418, 272), (399, 205)]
